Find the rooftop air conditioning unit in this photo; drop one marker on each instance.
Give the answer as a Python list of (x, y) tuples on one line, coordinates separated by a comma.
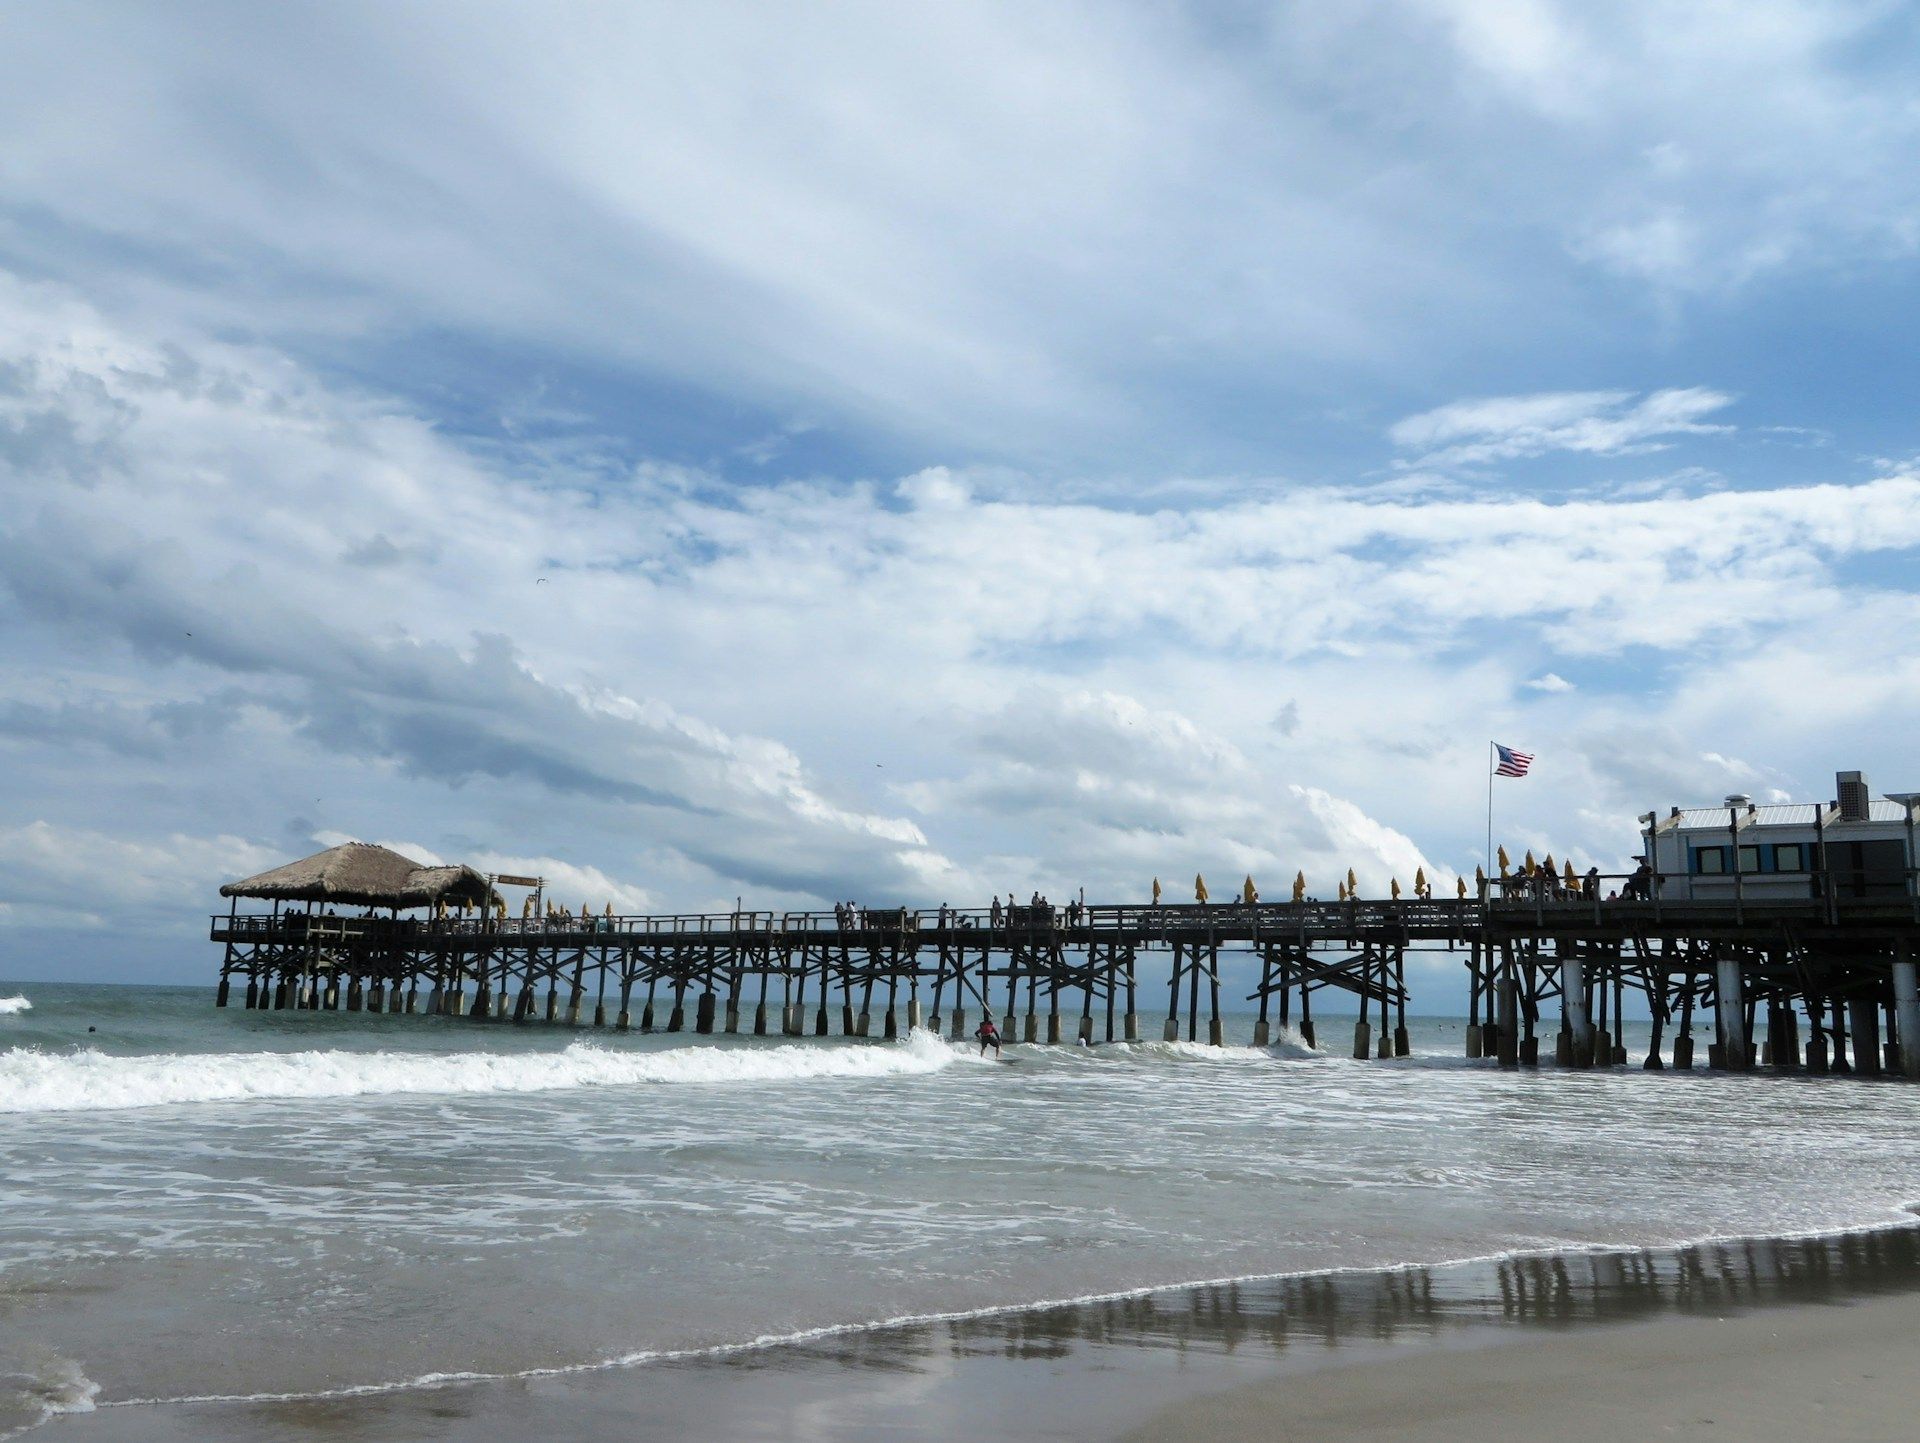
[(1851, 788)]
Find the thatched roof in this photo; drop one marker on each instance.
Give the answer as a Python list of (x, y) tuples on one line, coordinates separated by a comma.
[(428, 885), (361, 873)]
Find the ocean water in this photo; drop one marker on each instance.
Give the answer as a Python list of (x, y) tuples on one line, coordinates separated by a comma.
[(198, 1203)]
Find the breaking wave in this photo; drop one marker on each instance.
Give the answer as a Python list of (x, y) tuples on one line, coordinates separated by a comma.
[(54, 1386), (87, 1081), (11, 1005)]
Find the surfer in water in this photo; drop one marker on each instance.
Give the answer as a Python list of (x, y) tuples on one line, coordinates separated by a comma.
[(989, 1036)]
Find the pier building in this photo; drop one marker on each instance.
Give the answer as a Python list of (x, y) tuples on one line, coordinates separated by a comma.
[(1860, 844)]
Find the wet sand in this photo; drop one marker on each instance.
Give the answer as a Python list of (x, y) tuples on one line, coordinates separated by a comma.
[(1841, 1373), (1766, 1338)]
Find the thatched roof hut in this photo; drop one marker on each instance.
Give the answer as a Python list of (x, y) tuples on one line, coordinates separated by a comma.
[(362, 874)]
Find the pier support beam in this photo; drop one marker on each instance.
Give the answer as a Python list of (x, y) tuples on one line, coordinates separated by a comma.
[(1509, 998), (959, 1024), (1732, 1013), (1906, 1013), (1864, 1018), (1362, 1040), (703, 1012), (1573, 1012)]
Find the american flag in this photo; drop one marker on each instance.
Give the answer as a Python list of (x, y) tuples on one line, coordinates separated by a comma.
[(1511, 763)]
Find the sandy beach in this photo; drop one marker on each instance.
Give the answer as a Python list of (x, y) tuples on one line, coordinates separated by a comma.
[(1838, 1372)]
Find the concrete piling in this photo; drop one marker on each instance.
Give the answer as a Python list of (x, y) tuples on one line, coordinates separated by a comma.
[(1736, 1048), (1362, 1040), (1864, 1020), (1906, 1012)]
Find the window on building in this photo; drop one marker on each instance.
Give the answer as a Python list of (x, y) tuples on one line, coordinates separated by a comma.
[(1789, 857), (1710, 861), (1749, 859)]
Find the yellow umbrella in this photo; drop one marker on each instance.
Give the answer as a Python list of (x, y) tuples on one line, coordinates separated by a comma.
[(585, 910), (500, 907), (1529, 866), (526, 907), (1504, 863), (1343, 891), (440, 908), (1570, 877), (1299, 886), (1248, 892), (1419, 881), (1460, 885), (1479, 877), (1547, 866), (1156, 891), (1353, 884), (1199, 888), (1396, 889), (609, 911)]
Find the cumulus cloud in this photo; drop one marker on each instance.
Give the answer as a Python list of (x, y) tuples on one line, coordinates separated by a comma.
[(53, 869), (1597, 423)]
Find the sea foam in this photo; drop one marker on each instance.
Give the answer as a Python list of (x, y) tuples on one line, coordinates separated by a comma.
[(86, 1081), (11, 1005)]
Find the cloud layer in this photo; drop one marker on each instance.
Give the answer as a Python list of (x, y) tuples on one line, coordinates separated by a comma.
[(911, 455)]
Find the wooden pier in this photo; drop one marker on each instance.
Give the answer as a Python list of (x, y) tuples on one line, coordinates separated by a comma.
[(1825, 983)]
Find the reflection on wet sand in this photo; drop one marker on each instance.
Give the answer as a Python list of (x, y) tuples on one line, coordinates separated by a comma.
[(1334, 1309)]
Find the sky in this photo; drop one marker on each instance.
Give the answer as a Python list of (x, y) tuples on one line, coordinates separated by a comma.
[(913, 454)]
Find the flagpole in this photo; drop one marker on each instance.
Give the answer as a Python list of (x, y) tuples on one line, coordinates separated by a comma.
[(1487, 870)]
